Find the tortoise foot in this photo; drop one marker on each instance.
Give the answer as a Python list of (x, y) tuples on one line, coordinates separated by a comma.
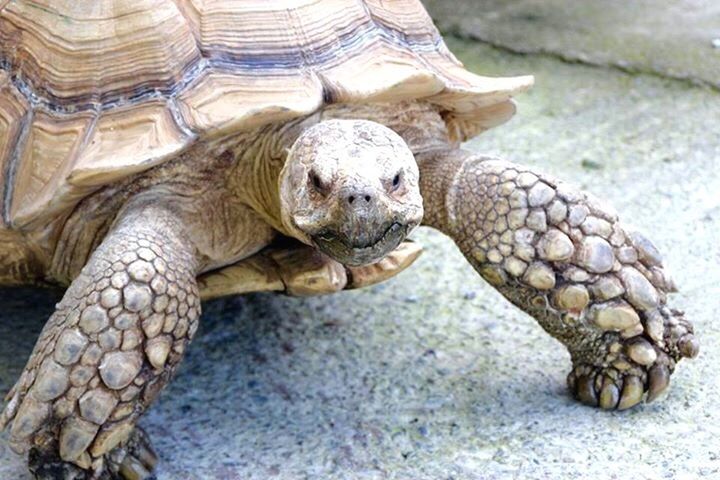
[(610, 389), (630, 369), (136, 460), (133, 460)]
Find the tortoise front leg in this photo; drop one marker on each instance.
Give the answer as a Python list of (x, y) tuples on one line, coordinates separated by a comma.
[(113, 343), (564, 258)]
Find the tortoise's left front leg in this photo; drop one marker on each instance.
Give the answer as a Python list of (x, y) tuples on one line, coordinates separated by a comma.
[(566, 260), (112, 344)]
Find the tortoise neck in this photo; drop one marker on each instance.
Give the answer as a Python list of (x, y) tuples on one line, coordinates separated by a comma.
[(261, 156)]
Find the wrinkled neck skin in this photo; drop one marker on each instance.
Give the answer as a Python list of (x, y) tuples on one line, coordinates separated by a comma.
[(258, 169)]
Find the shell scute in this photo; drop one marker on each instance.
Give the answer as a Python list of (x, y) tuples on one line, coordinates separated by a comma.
[(91, 92)]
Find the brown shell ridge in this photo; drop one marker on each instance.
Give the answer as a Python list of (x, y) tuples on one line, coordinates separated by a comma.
[(351, 42), (11, 166), (192, 24), (97, 103), (437, 45), (22, 57), (74, 177), (180, 121)]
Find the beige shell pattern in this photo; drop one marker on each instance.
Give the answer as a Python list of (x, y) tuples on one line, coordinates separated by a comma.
[(94, 91)]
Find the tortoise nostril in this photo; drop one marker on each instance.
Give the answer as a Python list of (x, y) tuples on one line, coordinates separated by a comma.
[(351, 199)]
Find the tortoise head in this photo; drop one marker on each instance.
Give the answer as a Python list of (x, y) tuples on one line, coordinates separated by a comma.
[(350, 188)]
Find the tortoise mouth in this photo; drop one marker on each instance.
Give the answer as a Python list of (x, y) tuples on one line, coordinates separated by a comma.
[(353, 252)]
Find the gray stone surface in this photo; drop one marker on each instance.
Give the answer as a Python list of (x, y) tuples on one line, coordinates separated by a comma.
[(676, 38), (432, 376)]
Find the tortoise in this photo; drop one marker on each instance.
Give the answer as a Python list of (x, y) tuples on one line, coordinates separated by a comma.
[(156, 153)]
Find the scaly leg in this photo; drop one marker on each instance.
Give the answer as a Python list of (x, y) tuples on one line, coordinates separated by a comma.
[(113, 343), (564, 258)]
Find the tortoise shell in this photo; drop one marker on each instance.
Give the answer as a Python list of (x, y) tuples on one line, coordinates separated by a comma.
[(92, 92)]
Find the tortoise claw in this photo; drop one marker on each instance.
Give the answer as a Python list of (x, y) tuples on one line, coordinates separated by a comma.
[(658, 381), (689, 346), (586, 391), (632, 393), (133, 469), (609, 395), (137, 459)]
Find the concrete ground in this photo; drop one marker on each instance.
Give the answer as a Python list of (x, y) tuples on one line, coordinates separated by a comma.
[(671, 38), (432, 376)]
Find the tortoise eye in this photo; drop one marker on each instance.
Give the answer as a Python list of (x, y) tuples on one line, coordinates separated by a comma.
[(317, 183), (396, 181)]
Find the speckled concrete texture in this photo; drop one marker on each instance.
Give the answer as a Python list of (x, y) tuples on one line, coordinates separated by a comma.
[(676, 38), (432, 376)]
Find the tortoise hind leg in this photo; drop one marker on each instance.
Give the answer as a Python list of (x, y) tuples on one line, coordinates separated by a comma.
[(566, 260), (18, 265), (111, 346)]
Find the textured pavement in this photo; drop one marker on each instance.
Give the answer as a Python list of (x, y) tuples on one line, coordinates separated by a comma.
[(671, 38), (432, 376)]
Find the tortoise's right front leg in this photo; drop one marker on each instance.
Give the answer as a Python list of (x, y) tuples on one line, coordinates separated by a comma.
[(113, 343), (565, 259)]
